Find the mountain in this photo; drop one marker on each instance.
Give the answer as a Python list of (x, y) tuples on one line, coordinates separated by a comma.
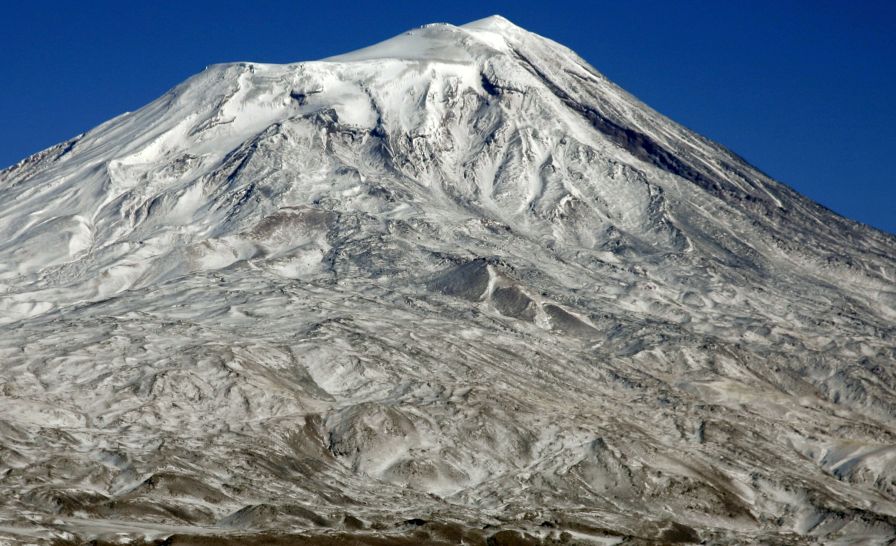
[(456, 286)]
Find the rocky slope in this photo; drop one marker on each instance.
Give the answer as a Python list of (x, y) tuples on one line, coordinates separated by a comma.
[(454, 286)]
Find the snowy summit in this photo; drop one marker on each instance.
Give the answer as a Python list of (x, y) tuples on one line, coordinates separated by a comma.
[(453, 286)]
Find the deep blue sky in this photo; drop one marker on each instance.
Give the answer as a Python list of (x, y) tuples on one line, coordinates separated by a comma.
[(804, 89)]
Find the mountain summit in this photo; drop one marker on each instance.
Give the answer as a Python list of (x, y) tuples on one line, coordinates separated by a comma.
[(453, 286)]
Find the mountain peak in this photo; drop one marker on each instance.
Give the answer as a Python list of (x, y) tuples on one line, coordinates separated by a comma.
[(495, 23), (441, 42), (457, 274)]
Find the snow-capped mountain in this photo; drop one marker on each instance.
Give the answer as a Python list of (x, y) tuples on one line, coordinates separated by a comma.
[(453, 286)]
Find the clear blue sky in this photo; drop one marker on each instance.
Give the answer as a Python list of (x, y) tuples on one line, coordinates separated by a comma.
[(804, 89)]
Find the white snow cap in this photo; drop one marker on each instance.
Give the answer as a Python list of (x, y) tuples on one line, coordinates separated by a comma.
[(439, 42), (494, 23)]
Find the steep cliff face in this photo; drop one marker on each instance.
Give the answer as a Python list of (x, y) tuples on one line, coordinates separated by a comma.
[(456, 279)]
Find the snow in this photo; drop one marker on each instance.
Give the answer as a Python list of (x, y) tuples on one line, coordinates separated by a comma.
[(456, 276)]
